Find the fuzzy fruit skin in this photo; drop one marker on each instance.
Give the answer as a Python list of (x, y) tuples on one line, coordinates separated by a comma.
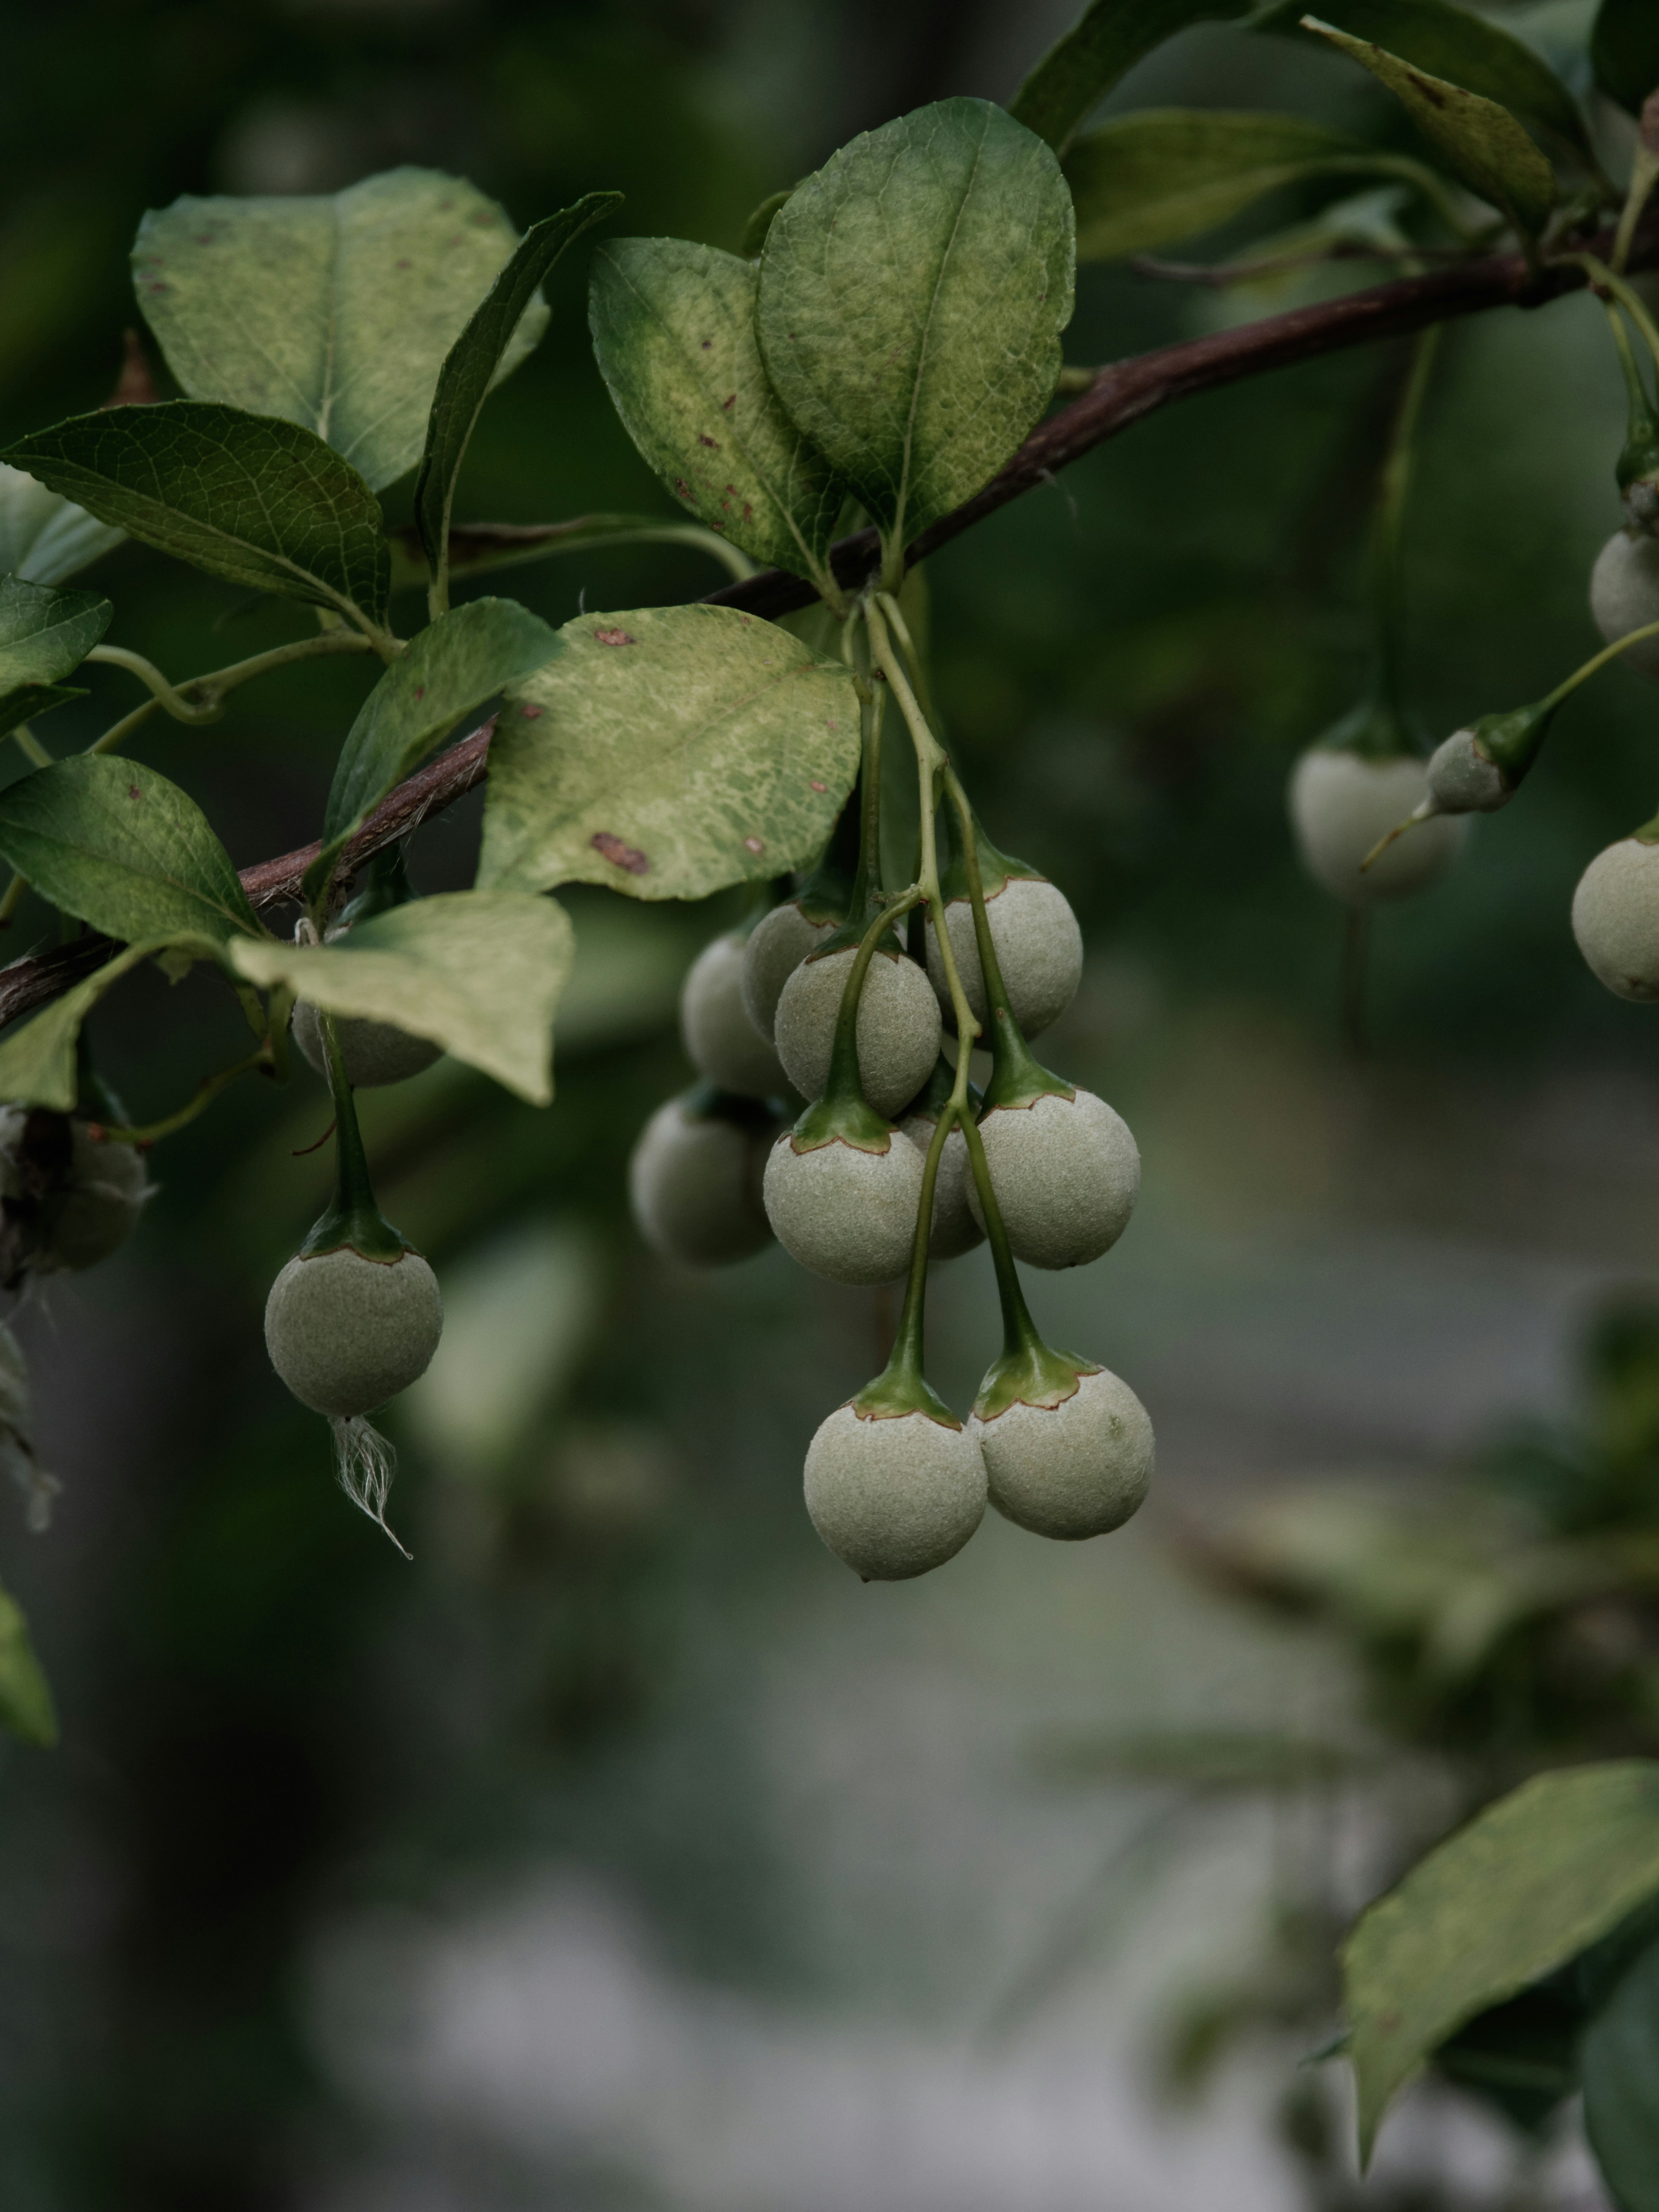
[(1065, 1172), (777, 945), (345, 1333), (1624, 594), (1615, 918), (694, 1184), (1039, 948), (720, 1041), (897, 1497), (844, 1214), (899, 1029), (1073, 1470), (374, 1052), (1342, 803), (1462, 781), (957, 1228)]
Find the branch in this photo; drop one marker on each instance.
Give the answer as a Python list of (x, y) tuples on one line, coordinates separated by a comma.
[(1119, 396)]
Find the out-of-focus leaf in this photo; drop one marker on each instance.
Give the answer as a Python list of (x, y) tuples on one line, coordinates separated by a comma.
[(44, 538), (474, 362), (1448, 41), (912, 295), (260, 502), (1208, 1758), (1162, 173), (673, 330), (668, 752), (1524, 1887), (44, 634), (334, 311), (1108, 39), (1620, 2064), (449, 669), (477, 972), (1625, 50), (1480, 141), (26, 1703), (117, 845)]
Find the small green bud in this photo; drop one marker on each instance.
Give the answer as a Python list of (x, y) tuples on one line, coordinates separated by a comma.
[(1065, 1172), (894, 1497), (1071, 1470), (345, 1333), (898, 1026), (777, 945), (1624, 594), (374, 1052), (720, 1041), (1342, 803), (843, 1211), (1039, 948), (694, 1180), (1615, 918)]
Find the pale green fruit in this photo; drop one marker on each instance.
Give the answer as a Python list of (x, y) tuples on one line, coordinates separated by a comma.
[(720, 1041), (1077, 1469), (1624, 595), (694, 1185), (1039, 948), (345, 1333), (777, 945), (1462, 781), (374, 1052), (957, 1228), (1065, 1172), (1615, 918), (898, 1028), (896, 1497), (843, 1213), (1341, 804)]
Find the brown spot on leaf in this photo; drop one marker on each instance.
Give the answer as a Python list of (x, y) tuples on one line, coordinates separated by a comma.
[(754, 844), (816, 785), (420, 690), (713, 444), (726, 404), (1426, 86), (530, 714), (614, 637), (133, 792), (707, 344), (683, 488), (620, 855)]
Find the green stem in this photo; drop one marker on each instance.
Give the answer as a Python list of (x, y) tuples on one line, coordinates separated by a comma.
[(1019, 1331), (1564, 689), (30, 746), (1644, 174), (1017, 1076), (1626, 295), (843, 1084), (118, 733), (1392, 491), (200, 698), (354, 1221), (17, 890), (206, 1092)]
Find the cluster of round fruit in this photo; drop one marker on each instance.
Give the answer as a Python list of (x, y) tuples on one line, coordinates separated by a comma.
[(896, 1484)]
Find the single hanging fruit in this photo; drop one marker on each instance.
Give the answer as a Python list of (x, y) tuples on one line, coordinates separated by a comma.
[(1348, 791), (1615, 917), (845, 1211), (1624, 594), (1066, 1171), (894, 1495), (1034, 933), (1066, 1464), (720, 1041), (695, 1178), (898, 1025), (346, 1332)]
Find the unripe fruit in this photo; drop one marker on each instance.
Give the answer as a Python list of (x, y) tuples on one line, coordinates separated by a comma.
[(1077, 1469), (1342, 803), (1065, 1172), (345, 1332), (82, 1199), (720, 1041), (1615, 918), (694, 1184), (898, 1027), (374, 1052), (844, 1214), (894, 1497), (1463, 779), (1625, 594), (777, 945), (1039, 948), (956, 1229)]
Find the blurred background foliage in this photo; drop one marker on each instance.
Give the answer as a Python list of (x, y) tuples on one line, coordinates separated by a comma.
[(273, 1728)]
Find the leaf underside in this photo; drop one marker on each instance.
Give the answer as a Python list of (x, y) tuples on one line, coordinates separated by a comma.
[(44, 538)]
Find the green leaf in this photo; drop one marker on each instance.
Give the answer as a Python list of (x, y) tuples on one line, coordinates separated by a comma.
[(1162, 173), (448, 669), (1625, 50), (117, 844), (37, 1065), (43, 537), (1470, 51), (26, 1705), (477, 972), (45, 634), (1108, 39), (1525, 1887), (673, 330), (259, 502), (477, 549), (332, 311), (1619, 2064), (671, 751), (474, 361), (1481, 142), (912, 296)]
